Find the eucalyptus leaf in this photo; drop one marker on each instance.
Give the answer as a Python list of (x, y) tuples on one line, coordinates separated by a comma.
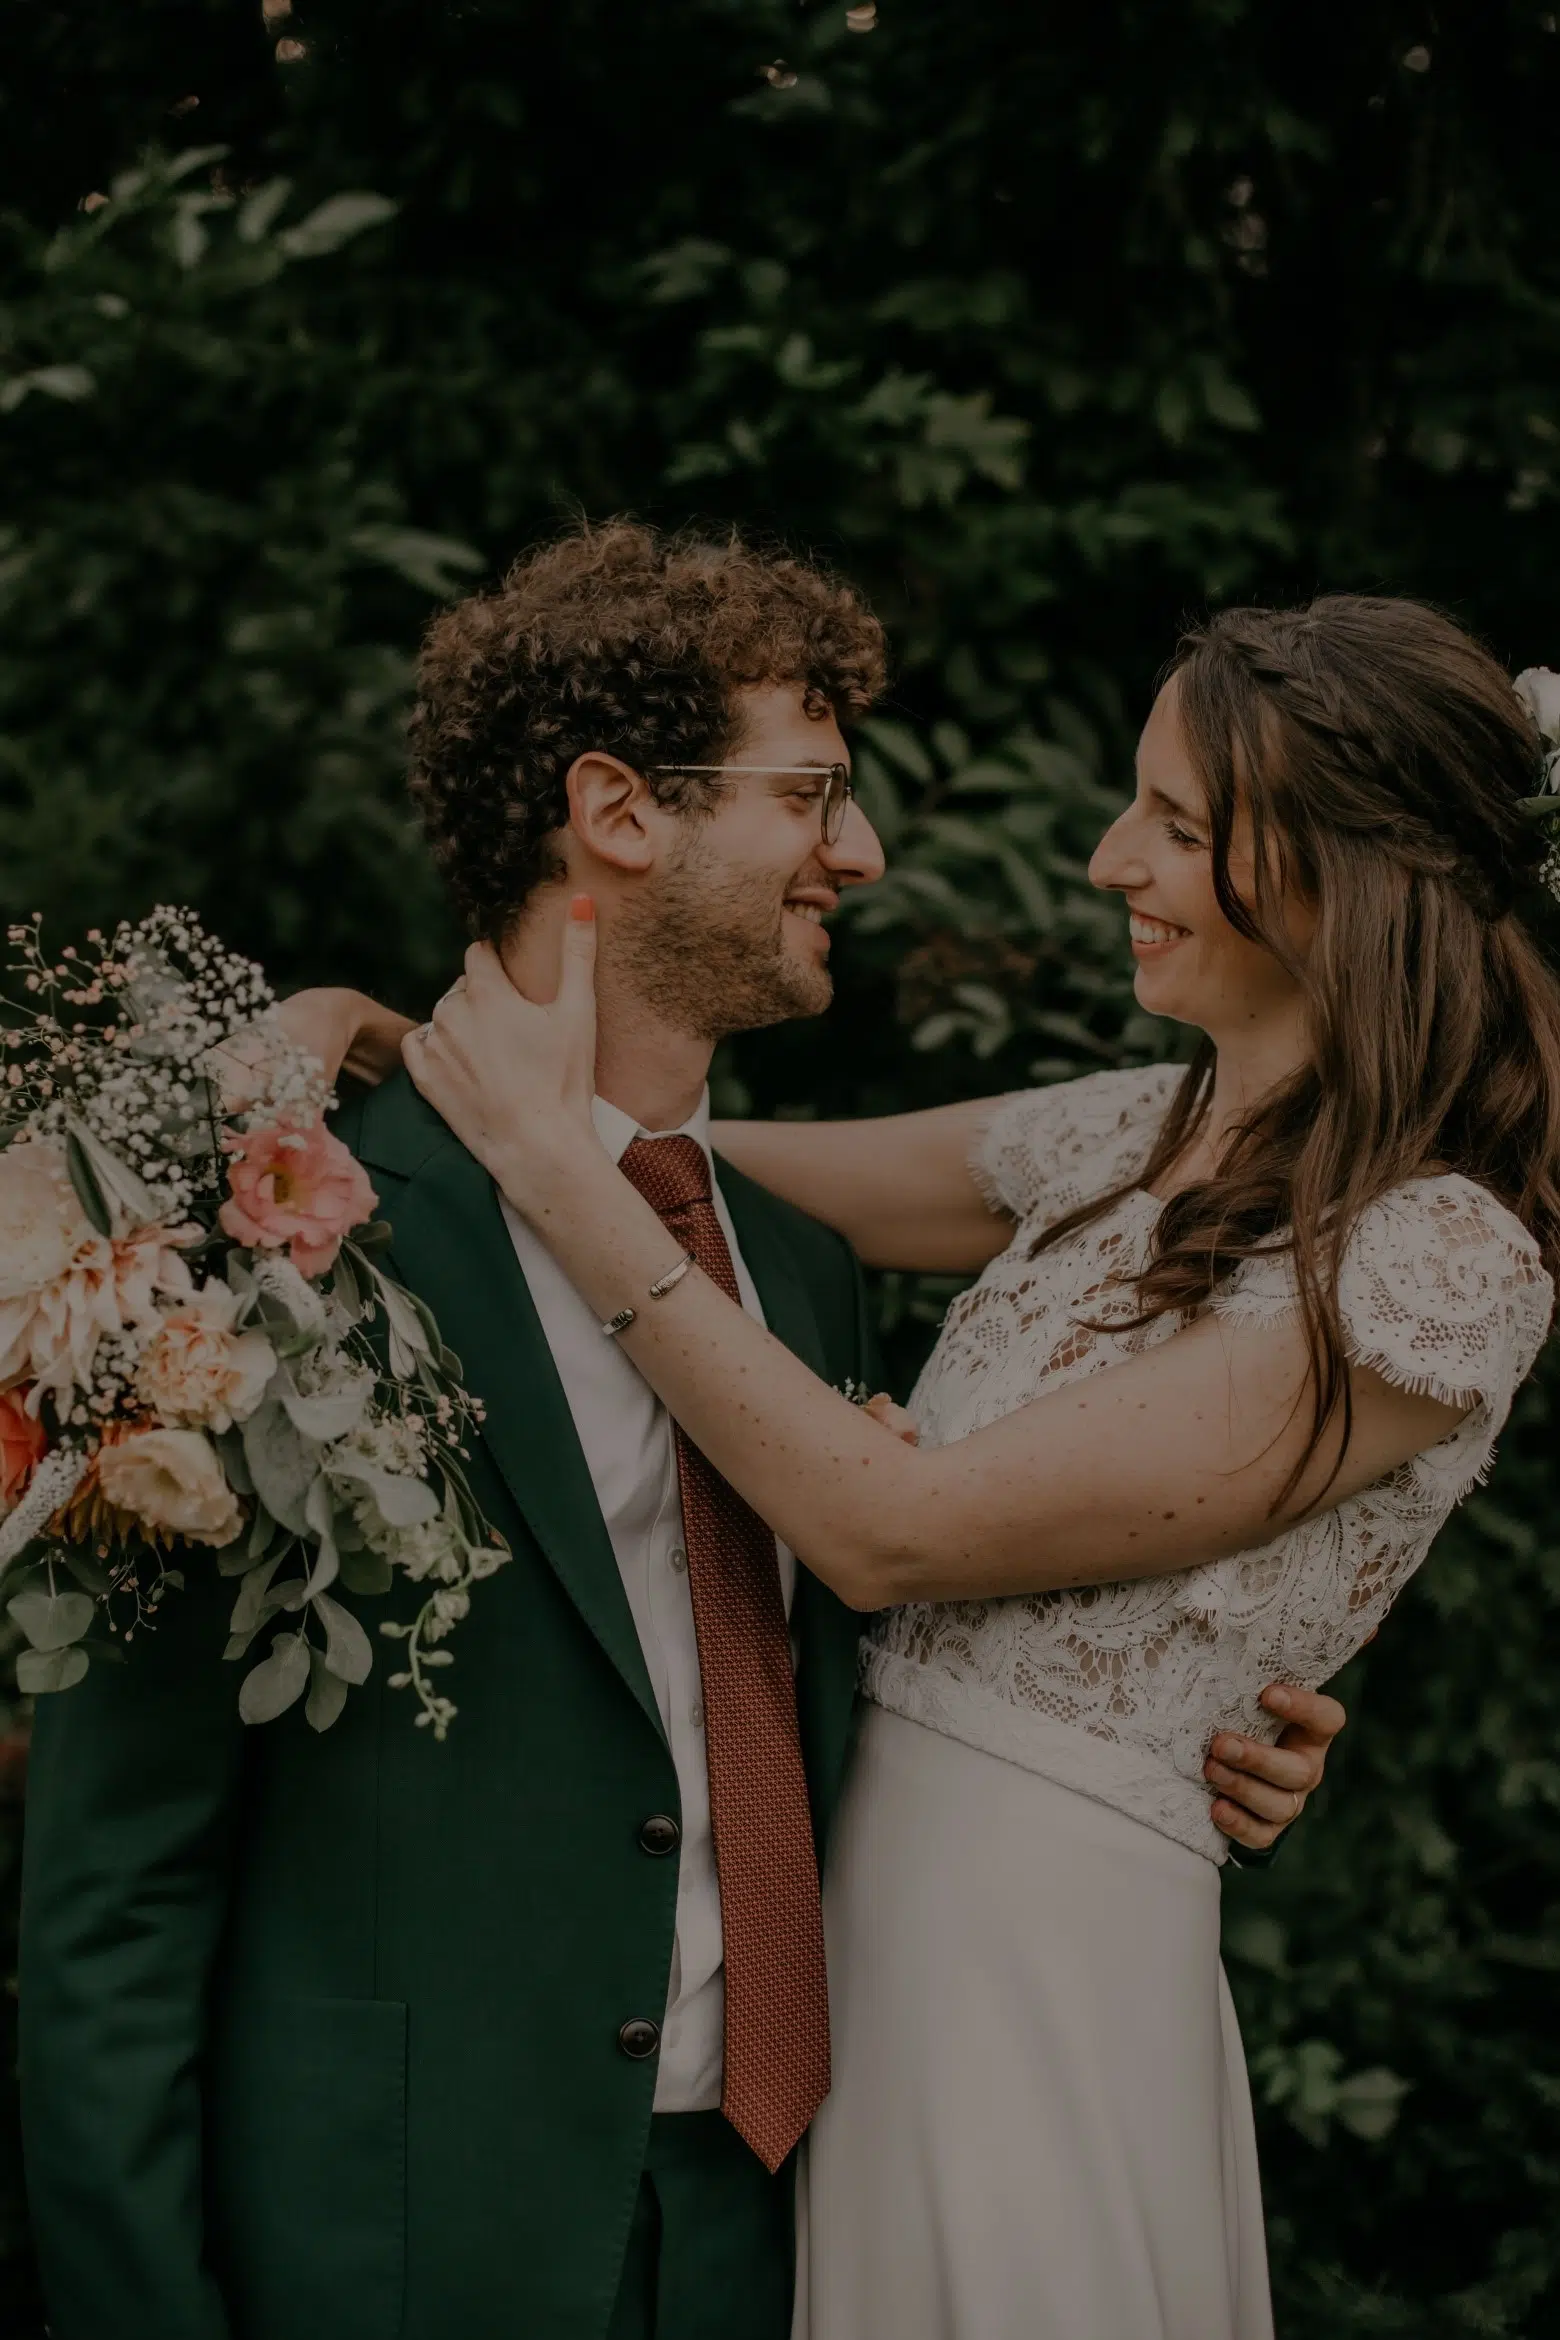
[(426, 1319), (277, 1682), (291, 1340), (399, 1500), (366, 1573), (348, 1651), (283, 1465), (326, 1568), (125, 1193), (346, 1530), (408, 1340), (235, 1463), (238, 1644), (327, 1694), (319, 1508), (88, 1193), (347, 1286), (52, 1621), (38, 1670), (325, 1418), (250, 1605), (263, 1532)]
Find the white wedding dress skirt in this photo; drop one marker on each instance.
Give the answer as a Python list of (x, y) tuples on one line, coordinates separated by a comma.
[(1040, 2126)]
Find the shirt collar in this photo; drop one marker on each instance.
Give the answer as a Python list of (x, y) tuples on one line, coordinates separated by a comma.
[(617, 1130)]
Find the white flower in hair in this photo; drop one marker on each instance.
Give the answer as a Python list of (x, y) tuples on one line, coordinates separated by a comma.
[(1539, 690), (1538, 687)]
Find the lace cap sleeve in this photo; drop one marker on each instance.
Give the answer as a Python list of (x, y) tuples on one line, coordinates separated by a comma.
[(1441, 1291), (1065, 1145)]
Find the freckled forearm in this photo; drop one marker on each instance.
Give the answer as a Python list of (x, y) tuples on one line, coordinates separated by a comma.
[(833, 1484), (1133, 1472)]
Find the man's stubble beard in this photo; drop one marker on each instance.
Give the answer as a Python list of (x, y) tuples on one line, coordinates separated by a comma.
[(706, 951)]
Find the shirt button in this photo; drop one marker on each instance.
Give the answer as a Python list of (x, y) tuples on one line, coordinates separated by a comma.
[(660, 1834), (639, 2038), (696, 1714), (678, 1558)]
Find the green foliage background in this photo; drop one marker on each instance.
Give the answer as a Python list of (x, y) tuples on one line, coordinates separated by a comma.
[(1048, 325)]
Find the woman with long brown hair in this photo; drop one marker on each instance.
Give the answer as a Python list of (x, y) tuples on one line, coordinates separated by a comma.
[(1244, 1333)]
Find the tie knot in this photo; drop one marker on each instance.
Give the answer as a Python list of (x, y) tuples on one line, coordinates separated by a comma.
[(671, 1173)]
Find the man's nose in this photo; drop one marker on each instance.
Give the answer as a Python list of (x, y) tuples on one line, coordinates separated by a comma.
[(856, 856)]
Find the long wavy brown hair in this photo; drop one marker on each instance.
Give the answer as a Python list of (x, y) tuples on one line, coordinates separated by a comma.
[(1381, 757)]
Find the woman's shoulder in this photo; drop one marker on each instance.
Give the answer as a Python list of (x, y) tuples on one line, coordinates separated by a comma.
[(1441, 1289), (1074, 1140), (1448, 1255)]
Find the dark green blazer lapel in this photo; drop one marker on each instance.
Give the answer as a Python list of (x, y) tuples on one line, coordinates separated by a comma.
[(452, 1246), (826, 1632), (761, 1239)]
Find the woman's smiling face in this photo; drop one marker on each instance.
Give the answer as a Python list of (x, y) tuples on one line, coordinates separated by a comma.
[(1192, 964)]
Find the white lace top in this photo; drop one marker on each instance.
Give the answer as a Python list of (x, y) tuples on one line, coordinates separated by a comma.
[(1115, 1690)]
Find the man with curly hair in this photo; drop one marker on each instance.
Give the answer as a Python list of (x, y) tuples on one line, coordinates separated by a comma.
[(357, 2037)]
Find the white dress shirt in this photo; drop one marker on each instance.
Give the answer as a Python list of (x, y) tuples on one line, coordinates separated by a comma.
[(626, 1434)]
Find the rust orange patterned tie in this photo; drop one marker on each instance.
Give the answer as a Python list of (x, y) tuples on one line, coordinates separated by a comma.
[(777, 1999)]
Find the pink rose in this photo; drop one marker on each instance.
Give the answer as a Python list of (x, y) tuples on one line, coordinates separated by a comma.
[(298, 1188), (23, 1443)]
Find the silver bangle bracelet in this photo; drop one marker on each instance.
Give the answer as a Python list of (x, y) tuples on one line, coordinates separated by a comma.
[(658, 1291), (663, 1284)]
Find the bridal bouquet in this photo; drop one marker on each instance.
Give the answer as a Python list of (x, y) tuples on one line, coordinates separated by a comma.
[(202, 1363)]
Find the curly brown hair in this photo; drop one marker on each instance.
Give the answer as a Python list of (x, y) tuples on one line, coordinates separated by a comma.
[(619, 638)]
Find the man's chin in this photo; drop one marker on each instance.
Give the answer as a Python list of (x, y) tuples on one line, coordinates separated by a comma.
[(808, 992)]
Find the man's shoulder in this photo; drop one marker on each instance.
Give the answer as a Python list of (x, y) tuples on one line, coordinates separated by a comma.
[(392, 1126)]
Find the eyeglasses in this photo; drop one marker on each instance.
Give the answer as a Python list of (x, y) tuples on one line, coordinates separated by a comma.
[(835, 798)]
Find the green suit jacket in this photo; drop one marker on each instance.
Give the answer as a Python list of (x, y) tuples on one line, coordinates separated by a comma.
[(320, 2033)]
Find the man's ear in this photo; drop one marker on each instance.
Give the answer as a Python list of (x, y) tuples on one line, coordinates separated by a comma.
[(611, 811)]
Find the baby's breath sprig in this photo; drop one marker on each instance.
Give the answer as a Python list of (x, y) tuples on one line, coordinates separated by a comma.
[(136, 1035)]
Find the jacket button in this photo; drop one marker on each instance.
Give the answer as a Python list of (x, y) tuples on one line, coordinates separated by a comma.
[(639, 2039), (660, 1834)]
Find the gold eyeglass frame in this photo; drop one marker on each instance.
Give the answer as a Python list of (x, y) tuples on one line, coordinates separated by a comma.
[(839, 790)]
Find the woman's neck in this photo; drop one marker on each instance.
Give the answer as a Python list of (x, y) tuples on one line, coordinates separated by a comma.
[(1247, 1064)]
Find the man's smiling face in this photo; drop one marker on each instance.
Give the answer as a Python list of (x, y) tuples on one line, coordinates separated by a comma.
[(730, 935)]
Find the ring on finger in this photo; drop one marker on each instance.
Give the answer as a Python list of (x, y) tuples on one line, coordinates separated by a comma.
[(1299, 1808)]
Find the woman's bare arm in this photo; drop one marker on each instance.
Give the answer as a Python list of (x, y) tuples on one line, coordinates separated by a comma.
[(898, 1187), (346, 1030), (1161, 1463)]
